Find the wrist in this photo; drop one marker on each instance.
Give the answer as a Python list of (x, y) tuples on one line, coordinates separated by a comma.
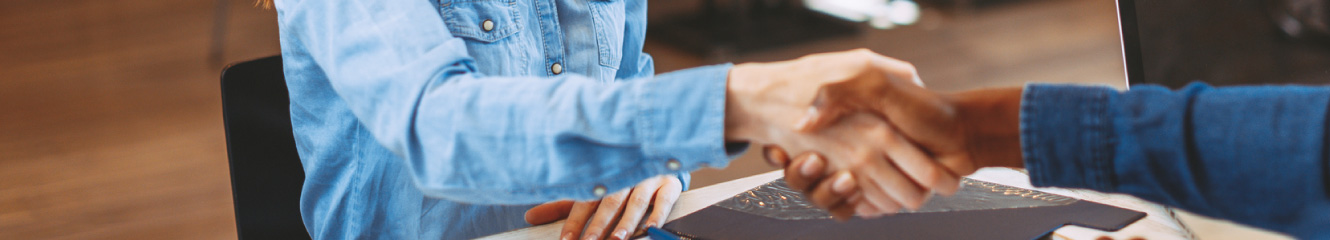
[(741, 88), (991, 122)]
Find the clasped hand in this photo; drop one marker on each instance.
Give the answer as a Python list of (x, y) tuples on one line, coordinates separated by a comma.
[(873, 139)]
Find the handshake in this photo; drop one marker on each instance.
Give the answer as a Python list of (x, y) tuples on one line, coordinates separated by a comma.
[(870, 140)]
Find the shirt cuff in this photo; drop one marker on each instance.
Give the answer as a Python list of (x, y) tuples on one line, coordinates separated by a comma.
[(1067, 136), (682, 118)]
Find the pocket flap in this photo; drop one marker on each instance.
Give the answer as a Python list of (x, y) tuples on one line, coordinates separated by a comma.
[(466, 18)]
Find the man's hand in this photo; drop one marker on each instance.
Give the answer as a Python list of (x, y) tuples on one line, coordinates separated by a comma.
[(622, 211), (962, 131), (767, 100)]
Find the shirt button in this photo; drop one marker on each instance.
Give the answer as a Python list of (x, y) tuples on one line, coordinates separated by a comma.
[(674, 165), (487, 25), (599, 191), (556, 68)]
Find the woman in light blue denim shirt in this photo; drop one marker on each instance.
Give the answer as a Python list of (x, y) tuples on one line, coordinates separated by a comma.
[(529, 46), (448, 119)]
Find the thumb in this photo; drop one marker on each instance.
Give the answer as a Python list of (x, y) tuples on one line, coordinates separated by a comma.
[(821, 114), (548, 212), (918, 81)]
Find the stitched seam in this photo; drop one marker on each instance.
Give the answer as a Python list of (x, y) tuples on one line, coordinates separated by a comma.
[(463, 29), (1095, 143), (1028, 136), (602, 27), (1105, 142), (547, 35), (359, 186)]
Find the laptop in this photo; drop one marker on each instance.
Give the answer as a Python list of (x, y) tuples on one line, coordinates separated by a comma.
[(1225, 42)]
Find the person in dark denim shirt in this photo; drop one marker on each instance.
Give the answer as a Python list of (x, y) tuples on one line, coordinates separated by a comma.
[(1256, 155)]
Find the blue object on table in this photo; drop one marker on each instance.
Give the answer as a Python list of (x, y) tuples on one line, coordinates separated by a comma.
[(660, 234)]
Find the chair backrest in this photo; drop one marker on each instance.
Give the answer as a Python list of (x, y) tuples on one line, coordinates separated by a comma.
[(266, 175)]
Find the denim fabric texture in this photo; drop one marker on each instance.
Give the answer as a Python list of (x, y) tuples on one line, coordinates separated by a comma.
[(1254, 155), (419, 119)]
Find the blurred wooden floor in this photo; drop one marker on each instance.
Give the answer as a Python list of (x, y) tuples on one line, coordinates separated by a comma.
[(110, 120)]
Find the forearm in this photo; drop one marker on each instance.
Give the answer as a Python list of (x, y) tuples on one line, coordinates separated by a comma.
[(502, 139), (534, 140)]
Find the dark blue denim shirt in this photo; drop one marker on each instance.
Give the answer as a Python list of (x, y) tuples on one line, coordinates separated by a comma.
[(1254, 155)]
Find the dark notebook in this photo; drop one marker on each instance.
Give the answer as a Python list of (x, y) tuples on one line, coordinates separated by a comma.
[(980, 210)]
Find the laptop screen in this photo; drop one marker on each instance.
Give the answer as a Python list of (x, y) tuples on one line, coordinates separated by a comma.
[(1226, 42)]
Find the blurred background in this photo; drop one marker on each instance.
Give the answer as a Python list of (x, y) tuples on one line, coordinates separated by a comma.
[(110, 110)]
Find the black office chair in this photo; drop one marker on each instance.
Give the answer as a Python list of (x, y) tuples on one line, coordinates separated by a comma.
[(266, 175)]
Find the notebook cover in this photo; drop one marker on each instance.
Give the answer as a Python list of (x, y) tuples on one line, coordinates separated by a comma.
[(980, 210)]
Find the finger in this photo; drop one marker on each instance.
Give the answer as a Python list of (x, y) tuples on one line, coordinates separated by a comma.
[(846, 210), (875, 201), (834, 101), (866, 209), (635, 207), (804, 171), (823, 112), (833, 193), (548, 212), (841, 213), (895, 184), (873, 193), (775, 156), (826, 195), (664, 202), (919, 166), (577, 219), (959, 166), (896, 68), (606, 214)]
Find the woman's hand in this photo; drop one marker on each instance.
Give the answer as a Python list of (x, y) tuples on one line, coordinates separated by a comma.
[(765, 103), (652, 199)]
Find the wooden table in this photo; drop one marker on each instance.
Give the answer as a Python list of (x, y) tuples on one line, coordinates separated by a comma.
[(1159, 224)]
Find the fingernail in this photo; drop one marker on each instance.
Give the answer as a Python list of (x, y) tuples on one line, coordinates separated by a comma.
[(766, 154), (620, 235), (842, 184), (809, 167), (649, 225), (591, 237), (808, 118), (566, 236)]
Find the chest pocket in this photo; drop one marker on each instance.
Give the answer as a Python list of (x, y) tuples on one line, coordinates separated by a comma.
[(607, 16), (489, 27)]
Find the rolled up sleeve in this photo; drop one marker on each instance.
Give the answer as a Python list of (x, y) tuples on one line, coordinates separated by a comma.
[(474, 138)]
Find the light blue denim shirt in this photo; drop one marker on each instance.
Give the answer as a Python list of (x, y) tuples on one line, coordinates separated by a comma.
[(420, 119)]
